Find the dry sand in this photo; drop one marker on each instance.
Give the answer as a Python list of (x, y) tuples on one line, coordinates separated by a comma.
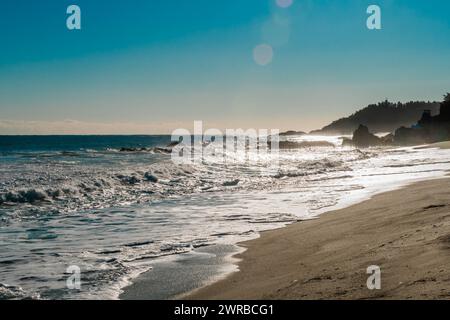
[(405, 232), (442, 145)]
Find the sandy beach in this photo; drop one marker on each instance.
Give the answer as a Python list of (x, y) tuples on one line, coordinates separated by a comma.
[(441, 145), (405, 232)]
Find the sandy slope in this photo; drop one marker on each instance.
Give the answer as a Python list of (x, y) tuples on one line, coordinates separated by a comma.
[(405, 232)]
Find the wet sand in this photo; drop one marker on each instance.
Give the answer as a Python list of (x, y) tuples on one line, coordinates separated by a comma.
[(405, 232), (185, 271)]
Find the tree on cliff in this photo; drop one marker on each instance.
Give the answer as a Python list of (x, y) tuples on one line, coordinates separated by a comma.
[(447, 97), (445, 108)]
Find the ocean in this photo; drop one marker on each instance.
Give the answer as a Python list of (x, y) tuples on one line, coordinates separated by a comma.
[(116, 205)]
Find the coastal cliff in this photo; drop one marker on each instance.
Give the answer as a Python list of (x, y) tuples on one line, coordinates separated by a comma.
[(382, 117)]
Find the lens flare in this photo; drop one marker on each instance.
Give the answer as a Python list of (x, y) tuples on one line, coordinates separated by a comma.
[(284, 3), (263, 54)]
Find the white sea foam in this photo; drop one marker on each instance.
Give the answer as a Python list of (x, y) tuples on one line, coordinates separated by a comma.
[(114, 213)]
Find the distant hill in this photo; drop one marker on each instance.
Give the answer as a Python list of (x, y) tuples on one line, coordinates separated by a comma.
[(382, 117)]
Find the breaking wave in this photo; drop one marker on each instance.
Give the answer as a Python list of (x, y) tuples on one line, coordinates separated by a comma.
[(112, 210), (93, 182)]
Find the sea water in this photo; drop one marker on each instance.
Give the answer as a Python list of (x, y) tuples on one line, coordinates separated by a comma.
[(115, 205)]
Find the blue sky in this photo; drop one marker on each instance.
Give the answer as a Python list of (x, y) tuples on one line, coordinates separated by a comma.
[(151, 66)]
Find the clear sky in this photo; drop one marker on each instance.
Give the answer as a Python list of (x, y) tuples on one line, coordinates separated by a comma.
[(151, 66)]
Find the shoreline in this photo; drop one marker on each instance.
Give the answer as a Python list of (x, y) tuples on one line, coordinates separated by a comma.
[(405, 232), (187, 272), (223, 261)]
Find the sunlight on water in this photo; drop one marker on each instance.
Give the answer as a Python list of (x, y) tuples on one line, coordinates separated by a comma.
[(114, 212)]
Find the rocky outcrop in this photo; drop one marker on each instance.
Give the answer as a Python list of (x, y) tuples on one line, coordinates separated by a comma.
[(362, 138), (143, 149), (387, 139), (429, 129), (410, 136), (286, 145), (292, 133)]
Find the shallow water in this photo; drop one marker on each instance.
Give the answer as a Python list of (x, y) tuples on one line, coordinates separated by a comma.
[(114, 214)]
